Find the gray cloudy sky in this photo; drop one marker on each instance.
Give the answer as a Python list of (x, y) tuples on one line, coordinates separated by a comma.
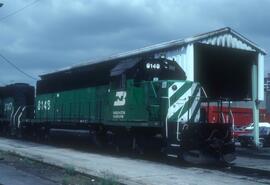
[(53, 34)]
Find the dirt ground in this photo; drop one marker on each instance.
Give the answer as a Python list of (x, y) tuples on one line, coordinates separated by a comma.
[(52, 174)]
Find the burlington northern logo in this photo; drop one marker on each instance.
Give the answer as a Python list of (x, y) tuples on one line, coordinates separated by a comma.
[(120, 98)]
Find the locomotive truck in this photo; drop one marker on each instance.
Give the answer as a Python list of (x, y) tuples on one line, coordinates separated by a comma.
[(131, 103)]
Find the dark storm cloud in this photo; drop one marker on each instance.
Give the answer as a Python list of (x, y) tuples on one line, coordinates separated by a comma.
[(52, 34)]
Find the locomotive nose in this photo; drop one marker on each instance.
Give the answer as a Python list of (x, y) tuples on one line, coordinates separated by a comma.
[(183, 104)]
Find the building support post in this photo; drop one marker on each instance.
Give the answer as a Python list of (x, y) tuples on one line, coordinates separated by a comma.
[(255, 104)]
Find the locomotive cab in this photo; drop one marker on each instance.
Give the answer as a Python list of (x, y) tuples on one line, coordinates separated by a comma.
[(169, 102), (145, 70), (140, 83)]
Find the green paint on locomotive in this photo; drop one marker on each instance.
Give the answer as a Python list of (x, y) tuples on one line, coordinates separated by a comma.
[(94, 104), (147, 103), (183, 101), (8, 107), (75, 105)]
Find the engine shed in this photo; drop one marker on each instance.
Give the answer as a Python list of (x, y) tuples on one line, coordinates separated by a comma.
[(221, 60), (224, 62)]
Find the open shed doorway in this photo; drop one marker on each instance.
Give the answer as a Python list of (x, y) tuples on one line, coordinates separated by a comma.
[(224, 72)]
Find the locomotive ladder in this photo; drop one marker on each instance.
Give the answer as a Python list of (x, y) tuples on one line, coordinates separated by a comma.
[(174, 130), (173, 146)]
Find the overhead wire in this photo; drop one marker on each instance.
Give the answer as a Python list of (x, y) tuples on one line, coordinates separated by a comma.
[(17, 68), (6, 59), (18, 10)]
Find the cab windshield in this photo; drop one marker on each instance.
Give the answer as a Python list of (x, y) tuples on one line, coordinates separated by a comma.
[(145, 70), (159, 69)]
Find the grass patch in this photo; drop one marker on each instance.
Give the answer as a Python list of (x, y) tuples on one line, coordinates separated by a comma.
[(78, 180), (27, 161), (109, 179), (70, 170)]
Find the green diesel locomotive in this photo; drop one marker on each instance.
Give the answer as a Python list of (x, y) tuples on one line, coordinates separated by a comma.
[(136, 103)]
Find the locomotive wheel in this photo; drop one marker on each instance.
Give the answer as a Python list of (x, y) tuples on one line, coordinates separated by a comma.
[(19, 132), (244, 144), (97, 138), (27, 133), (6, 131), (41, 134), (137, 146), (122, 142), (1, 129)]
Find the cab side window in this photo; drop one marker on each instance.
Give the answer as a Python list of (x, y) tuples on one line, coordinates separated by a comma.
[(118, 82)]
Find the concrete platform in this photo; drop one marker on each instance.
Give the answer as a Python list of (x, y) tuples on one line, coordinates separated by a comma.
[(253, 159), (124, 169)]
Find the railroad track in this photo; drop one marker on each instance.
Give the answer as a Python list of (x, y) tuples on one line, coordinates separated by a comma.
[(80, 141)]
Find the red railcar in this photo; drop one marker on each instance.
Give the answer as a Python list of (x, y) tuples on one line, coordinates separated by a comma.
[(241, 117)]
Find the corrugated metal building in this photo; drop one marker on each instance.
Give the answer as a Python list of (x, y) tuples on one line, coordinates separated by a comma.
[(227, 65), (222, 61)]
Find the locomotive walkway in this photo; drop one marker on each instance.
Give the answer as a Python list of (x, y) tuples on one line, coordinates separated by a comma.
[(135, 171)]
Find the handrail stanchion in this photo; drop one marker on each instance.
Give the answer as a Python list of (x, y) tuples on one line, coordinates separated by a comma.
[(89, 111)]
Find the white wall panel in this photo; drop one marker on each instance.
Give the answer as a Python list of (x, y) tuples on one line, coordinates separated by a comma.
[(184, 56), (227, 40), (260, 77)]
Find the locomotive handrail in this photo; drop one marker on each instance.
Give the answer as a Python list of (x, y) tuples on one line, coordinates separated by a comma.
[(89, 111), (79, 110), (11, 115), (46, 112), (155, 93), (13, 123), (178, 123), (70, 105), (204, 92), (223, 118), (231, 113), (62, 111), (19, 117), (166, 118)]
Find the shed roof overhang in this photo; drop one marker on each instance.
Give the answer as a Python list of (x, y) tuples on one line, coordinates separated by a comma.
[(225, 37)]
